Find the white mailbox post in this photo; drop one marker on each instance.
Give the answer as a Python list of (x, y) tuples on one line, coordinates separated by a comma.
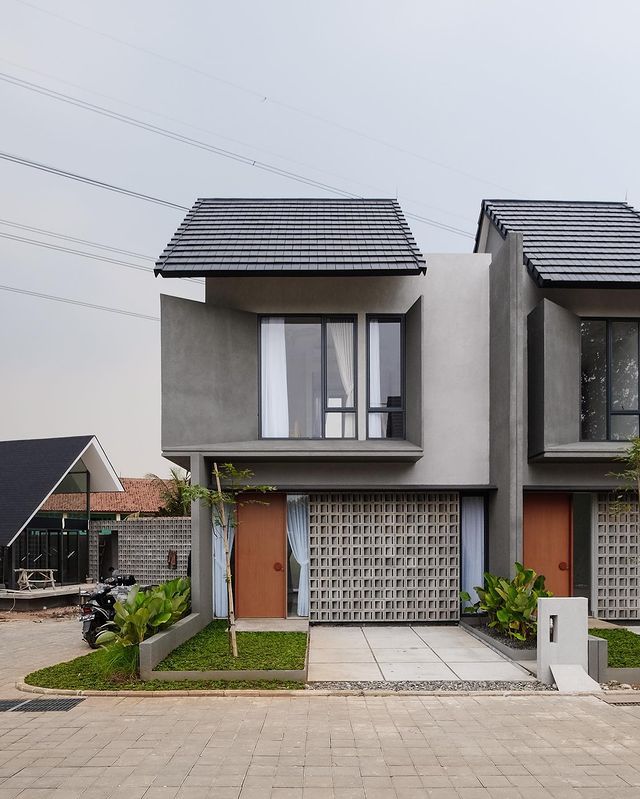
[(562, 635)]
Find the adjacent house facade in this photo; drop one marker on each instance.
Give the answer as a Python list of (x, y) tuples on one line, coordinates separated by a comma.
[(564, 311), (421, 419)]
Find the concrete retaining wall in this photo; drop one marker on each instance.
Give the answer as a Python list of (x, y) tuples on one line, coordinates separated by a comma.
[(156, 648)]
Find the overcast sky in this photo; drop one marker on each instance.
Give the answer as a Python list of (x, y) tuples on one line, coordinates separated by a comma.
[(439, 104)]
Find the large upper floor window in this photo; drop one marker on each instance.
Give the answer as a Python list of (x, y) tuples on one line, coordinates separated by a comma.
[(307, 377), (609, 373), (386, 401)]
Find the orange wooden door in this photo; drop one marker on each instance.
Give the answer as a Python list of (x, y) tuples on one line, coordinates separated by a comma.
[(261, 558), (547, 539)]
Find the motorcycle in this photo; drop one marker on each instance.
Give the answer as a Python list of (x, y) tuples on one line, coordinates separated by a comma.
[(97, 607)]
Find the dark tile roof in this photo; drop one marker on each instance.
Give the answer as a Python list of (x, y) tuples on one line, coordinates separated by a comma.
[(140, 495), (572, 243), (292, 237), (29, 470)]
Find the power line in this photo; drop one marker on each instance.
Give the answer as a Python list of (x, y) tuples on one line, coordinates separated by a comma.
[(91, 181), (69, 301), (76, 240), (175, 136), (263, 98), (82, 253)]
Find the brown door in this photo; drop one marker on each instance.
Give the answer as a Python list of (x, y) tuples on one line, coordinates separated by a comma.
[(547, 539), (261, 558)]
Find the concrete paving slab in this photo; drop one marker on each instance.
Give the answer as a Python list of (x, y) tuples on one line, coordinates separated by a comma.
[(463, 655), (343, 671), (392, 637), (417, 671), (504, 670), (422, 654), (340, 655), (573, 679)]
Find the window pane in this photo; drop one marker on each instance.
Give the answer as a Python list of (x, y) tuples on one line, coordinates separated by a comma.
[(593, 412), (624, 366), (340, 425), (291, 379), (386, 425), (624, 428), (385, 364), (340, 365)]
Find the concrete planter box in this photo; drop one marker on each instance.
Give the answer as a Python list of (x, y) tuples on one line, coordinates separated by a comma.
[(155, 649), (472, 626), (623, 675)]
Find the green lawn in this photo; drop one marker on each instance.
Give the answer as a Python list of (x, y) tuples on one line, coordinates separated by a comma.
[(88, 673), (209, 650), (624, 647)]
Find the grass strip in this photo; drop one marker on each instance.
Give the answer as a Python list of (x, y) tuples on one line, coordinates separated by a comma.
[(87, 673), (624, 647), (209, 650)]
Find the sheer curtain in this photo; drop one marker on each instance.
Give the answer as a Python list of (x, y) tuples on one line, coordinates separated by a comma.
[(472, 535), (375, 400), (220, 596), (298, 535), (342, 337), (274, 396)]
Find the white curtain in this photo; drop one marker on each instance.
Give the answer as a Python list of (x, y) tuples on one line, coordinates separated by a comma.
[(298, 535), (375, 400), (220, 596), (342, 337), (274, 397), (472, 535)]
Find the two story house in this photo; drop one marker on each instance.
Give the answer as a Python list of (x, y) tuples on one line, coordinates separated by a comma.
[(564, 320), (351, 374), (421, 419)]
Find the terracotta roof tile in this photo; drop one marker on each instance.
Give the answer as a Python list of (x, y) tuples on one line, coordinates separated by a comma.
[(140, 495)]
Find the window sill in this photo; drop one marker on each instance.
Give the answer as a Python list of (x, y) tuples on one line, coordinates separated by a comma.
[(581, 451), (276, 449)]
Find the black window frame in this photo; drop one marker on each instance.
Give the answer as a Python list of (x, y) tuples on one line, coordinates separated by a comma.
[(388, 317), (609, 320), (323, 318)]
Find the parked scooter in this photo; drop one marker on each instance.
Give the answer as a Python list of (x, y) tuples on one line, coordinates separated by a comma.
[(97, 607)]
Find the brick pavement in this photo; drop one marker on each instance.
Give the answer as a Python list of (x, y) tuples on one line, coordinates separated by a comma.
[(313, 747)]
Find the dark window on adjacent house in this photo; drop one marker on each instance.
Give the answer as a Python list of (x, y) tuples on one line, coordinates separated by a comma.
[(307, 377), (386, 400), (610, 379)]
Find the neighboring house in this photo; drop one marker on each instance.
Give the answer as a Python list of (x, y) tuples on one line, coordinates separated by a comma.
[(31, 472), (331, 362), (109, 546), (565, 311)]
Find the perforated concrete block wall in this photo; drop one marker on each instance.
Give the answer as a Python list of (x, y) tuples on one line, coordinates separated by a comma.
[(383, 557), (617, 559), (143, 546)]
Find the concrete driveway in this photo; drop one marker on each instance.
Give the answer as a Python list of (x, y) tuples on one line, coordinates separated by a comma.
[(395, 653), (27, 645)]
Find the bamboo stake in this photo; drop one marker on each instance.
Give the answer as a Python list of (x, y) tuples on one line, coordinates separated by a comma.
[(225, 540)]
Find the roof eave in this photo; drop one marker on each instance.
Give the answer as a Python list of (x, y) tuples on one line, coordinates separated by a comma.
[(420, 269)]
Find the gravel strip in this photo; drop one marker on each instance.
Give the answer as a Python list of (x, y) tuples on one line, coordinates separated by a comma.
[(431, 685)]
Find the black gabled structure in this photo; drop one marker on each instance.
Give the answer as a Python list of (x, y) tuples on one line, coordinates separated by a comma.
[(30, 471), (314, 237), (567, 243)]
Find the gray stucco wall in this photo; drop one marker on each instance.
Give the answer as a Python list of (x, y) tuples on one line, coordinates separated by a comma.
[(454, 363)]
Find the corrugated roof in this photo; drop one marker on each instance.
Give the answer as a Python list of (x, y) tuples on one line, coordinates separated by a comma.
[(140, 495), (568, 243), (221, 237)]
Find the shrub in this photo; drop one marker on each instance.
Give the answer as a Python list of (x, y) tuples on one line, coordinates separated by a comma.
[(511, 605), (144, 613)]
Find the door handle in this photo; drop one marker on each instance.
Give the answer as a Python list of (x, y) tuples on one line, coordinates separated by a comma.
[(563, 566), (277, 567)]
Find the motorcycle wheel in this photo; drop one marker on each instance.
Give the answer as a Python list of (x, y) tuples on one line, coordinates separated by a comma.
[(90, 636)]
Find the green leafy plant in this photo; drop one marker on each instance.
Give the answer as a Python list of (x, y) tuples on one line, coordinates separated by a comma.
[(173, 492), (144, 613), (511, 605)]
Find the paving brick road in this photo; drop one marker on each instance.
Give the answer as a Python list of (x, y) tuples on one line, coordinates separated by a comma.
[(320, 747)]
